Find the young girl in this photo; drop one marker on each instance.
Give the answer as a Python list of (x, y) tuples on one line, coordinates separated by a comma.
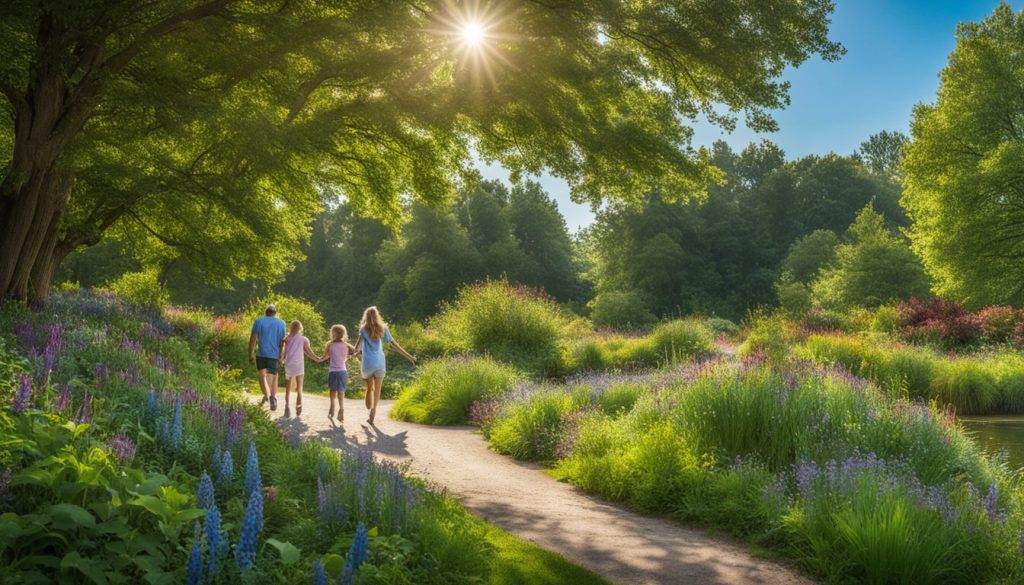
[(373, 333), (293, 349), (338, 350)]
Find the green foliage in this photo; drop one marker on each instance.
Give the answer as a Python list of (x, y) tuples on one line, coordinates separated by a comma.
[(960, 163), (620, 309), (142, 288), (530, 428), (770, 336), (682, 340), (443, 390), (794, 297), (512, 324), (808, 255), (874, 268)]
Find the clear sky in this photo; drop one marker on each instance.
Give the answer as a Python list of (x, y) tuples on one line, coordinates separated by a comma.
[(894, 52)]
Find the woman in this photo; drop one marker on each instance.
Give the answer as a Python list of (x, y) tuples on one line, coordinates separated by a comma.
[(373, 334)]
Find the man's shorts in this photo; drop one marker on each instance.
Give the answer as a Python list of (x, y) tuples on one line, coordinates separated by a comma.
[(266, 363), (337, 381)]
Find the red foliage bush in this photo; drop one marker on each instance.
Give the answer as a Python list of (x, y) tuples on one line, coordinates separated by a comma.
[(940, 321)]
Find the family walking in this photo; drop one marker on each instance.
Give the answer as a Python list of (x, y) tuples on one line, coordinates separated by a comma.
[(271, 347)]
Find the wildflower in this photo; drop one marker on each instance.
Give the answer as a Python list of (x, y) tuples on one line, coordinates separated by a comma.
[(101, 371), (252, 525), (356, 555), (269, 493), (175, 429), (252, 471), (212, 528), (319, 575), (992, 502), (63, 398), (206, 495), (151, 401), (227, 467), (22, 397), (195, 564), (123, 447), (235, 420), (216, 458), (84, 413)]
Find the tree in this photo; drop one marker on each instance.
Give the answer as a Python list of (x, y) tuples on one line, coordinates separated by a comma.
[(210, 129), (883, 152), (543, 238), (874, 267), (964, 167), (808, 255)]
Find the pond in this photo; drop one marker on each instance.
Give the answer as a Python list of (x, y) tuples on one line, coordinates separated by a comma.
[(1001, 434)]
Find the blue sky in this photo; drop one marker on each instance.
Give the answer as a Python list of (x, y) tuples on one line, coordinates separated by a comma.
[(894, 52)]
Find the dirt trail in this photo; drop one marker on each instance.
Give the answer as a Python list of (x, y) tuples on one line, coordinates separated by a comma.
[(622, 546)]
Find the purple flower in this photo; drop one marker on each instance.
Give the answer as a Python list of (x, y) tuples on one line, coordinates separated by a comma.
[(205, 497), (235, 420), (319, 576), (101, 371), (23, 396), (194, 572), (356, 555), (252, 525), (123, 447), (211, 527), (63, 398), (992, 503)]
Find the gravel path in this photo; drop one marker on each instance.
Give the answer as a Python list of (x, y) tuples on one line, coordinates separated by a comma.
[(622, 546)]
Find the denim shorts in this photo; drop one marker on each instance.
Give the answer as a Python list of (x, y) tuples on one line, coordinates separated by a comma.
[(337, 381), (266, 363)]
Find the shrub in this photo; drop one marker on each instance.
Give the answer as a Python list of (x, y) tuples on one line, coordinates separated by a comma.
[(443, 390), (886, 319), (940, 320), (588, 355), (794, 297), (999, 322), (682, 340), (722, 326), (290, 309), (620, 309), (141, 288), (818, 320), (418, 340), (620, 397), (530, 428), (513, 324), (770, 336)]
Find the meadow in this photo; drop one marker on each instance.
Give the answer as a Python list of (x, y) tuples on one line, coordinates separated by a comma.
[(832, 439), (128, 456)]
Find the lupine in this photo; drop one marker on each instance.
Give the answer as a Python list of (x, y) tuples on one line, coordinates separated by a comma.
[(253, 482), (212, 529), (63, 398), (123, 447), (356, 555), (195, 564), (227, 467), (992, 502), (23, 396), (84, 413), (216, 459), (151, 401), (175, 429), (319, 575), (251, 528), (205, 497)]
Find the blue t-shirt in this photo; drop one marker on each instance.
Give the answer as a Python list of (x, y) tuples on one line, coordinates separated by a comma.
[(373, 351), (270, 331)]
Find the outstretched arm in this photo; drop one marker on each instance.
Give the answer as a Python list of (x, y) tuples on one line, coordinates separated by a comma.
[(309, 352), (407, 355)]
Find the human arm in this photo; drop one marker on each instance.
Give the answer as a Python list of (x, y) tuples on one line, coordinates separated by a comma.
[(309, 352), (405, 354), (252, 347), (280, 353)]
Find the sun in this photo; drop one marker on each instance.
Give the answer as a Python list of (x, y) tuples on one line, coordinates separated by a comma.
[(472, 33)]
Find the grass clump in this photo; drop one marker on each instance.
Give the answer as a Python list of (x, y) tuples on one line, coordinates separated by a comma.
[(512, 324), (443, 390)]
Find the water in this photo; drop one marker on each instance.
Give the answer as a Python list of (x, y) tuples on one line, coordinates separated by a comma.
[(1001, 434)]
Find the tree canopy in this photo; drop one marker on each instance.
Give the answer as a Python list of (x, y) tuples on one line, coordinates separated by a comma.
[(214, 129), (964, 167)]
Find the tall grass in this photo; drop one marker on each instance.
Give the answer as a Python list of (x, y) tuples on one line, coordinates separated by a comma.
[(443, 390)]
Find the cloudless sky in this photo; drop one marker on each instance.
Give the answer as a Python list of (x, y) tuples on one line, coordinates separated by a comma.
[(894, 52)]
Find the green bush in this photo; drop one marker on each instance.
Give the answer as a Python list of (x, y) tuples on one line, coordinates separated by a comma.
[(620, 309), (530, 428), (619, 398), (968, 385), (443, 390), (682, 340), (513, 324), (588, 355), (141, 288), (770, 336), (722, 326)]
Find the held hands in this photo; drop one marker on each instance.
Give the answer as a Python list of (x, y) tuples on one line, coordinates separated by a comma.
[(252, 359)]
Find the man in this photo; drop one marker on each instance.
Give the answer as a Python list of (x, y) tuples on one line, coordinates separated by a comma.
[(268, 331)]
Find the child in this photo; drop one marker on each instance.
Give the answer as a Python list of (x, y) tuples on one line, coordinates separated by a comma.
[(293, 349), (337, 349), (373, 334)]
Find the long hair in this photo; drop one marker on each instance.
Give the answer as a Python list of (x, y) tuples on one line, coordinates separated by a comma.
[(296, 327), (372, 323)]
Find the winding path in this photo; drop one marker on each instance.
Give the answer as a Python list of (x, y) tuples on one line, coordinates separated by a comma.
[(622, 546)]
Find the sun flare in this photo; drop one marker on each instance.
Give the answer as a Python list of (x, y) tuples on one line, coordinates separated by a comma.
[(472, 33)]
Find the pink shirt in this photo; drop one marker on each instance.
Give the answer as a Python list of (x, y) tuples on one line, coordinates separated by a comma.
[(293, 354), (338, 350)]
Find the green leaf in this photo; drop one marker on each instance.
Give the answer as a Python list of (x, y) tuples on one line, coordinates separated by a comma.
[(372, 532), (9, 531), (154, 505), (68, 516), (92, 569), (289, 553), (150, 485), (333, 563)]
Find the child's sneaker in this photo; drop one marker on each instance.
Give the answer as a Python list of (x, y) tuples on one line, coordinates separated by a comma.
[(273, 403)]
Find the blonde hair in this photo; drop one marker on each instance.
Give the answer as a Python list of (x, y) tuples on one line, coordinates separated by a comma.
[(372, 323), (338, 333), (296, 324)]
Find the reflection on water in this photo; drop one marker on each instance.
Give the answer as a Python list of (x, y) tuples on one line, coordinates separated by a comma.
[(1002, 434)]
